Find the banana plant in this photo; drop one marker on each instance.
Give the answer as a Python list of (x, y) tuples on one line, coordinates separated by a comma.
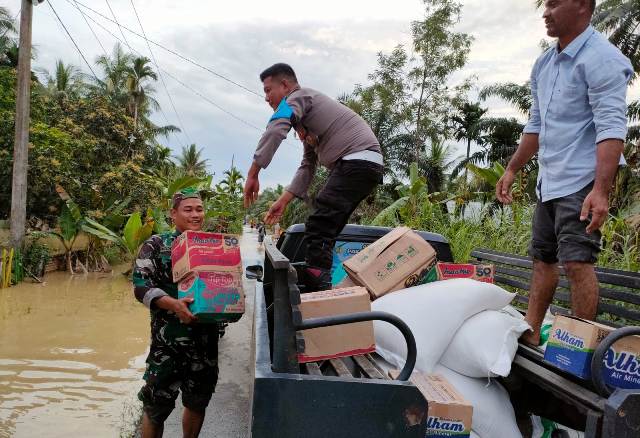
[(133, 236), (412, 196), (70, 223)]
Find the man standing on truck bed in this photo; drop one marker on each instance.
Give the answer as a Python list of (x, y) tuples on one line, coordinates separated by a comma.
[(577, 126), (332, 135), (183, 354)]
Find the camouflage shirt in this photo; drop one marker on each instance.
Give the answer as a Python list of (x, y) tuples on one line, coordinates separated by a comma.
[(152, 276)]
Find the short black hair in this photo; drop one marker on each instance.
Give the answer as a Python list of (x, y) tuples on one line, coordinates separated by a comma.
[(280, 69)]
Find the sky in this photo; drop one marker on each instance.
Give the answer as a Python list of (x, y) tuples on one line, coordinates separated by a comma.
[(332, 45)]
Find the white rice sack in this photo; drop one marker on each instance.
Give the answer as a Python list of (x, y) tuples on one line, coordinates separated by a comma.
[(493, 414), (434, 312), (486, 344)]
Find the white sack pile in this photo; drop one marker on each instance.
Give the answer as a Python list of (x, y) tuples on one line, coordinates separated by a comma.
[(460, 324)]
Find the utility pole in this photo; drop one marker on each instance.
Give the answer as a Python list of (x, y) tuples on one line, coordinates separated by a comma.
[(21, 144)]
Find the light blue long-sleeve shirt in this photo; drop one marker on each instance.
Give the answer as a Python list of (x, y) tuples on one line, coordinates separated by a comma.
[(579, 100)]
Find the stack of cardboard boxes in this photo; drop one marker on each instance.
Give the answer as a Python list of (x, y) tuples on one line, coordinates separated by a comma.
[(208, 268)]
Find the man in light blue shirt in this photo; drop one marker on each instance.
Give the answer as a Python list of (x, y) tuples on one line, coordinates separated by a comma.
[(577, 126)]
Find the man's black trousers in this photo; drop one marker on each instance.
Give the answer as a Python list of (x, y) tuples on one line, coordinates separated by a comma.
[(349, 182)]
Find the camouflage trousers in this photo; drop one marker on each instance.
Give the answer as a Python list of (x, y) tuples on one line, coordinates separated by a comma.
[(181, 358)]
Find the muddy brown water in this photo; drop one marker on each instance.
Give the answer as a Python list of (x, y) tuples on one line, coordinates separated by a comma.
[(71, 356)]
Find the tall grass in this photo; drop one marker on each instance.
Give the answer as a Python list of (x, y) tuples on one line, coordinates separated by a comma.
[(509, 230)]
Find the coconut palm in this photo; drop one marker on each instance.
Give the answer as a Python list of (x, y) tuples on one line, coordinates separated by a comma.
[(138, 88), (117, 69), (191, 162), (434, 164), (67, 81)]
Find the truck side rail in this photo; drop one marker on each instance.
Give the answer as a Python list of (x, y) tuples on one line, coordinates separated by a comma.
[(287, 318)]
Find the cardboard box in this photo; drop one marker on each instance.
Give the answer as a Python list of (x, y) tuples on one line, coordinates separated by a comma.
[(341, 340), (342, 251), (218, 296), (397, 260), (622, 364), (194, 251), (572, 342), (447, 271), (448, 413)]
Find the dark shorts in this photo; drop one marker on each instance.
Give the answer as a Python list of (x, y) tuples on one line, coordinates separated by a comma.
[(181, 358), (559, 235)]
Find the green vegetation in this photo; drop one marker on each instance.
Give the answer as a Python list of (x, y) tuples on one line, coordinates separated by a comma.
[(97, 164), (418, 116)]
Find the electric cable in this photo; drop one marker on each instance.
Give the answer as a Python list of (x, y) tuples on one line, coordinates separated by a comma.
[(155, 61), (185, 58), (72, 40), (118, 24), (164, 116), (95, 35), (196, 92)]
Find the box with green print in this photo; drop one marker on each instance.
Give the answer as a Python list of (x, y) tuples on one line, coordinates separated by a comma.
[(217, 296), (572, 342)]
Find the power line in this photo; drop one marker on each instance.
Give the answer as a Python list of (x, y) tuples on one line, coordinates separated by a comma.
[(94, 35), (164, 116), (72, 40), (119, 27), (155, 61), (196, 92), (191, 61), (166, 119)]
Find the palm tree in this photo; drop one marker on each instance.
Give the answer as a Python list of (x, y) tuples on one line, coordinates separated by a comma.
[(232, 181), (7, 29), (517, 95), (7, 24), (117, 68), (467, 122), (139, 91), (66, 82), (500, 141), (434, 164), (190, 161)]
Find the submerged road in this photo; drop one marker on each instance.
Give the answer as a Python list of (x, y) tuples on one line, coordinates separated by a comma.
[(228, 413)]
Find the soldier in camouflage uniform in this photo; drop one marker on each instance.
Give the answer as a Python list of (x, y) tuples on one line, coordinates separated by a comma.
[(183, 354)]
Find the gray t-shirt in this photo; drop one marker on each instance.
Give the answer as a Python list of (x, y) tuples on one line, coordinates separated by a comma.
[(332, 131)]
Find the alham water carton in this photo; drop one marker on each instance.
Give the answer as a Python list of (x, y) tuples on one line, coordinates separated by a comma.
[(622, 363), (217, 296), (572, 342), (448, 413), (194, 251)]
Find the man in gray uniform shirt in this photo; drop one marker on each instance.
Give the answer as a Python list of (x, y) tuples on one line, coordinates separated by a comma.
[(332, 135)]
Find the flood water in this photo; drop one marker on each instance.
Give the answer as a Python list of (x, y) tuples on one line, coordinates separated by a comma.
[(71, 356)]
